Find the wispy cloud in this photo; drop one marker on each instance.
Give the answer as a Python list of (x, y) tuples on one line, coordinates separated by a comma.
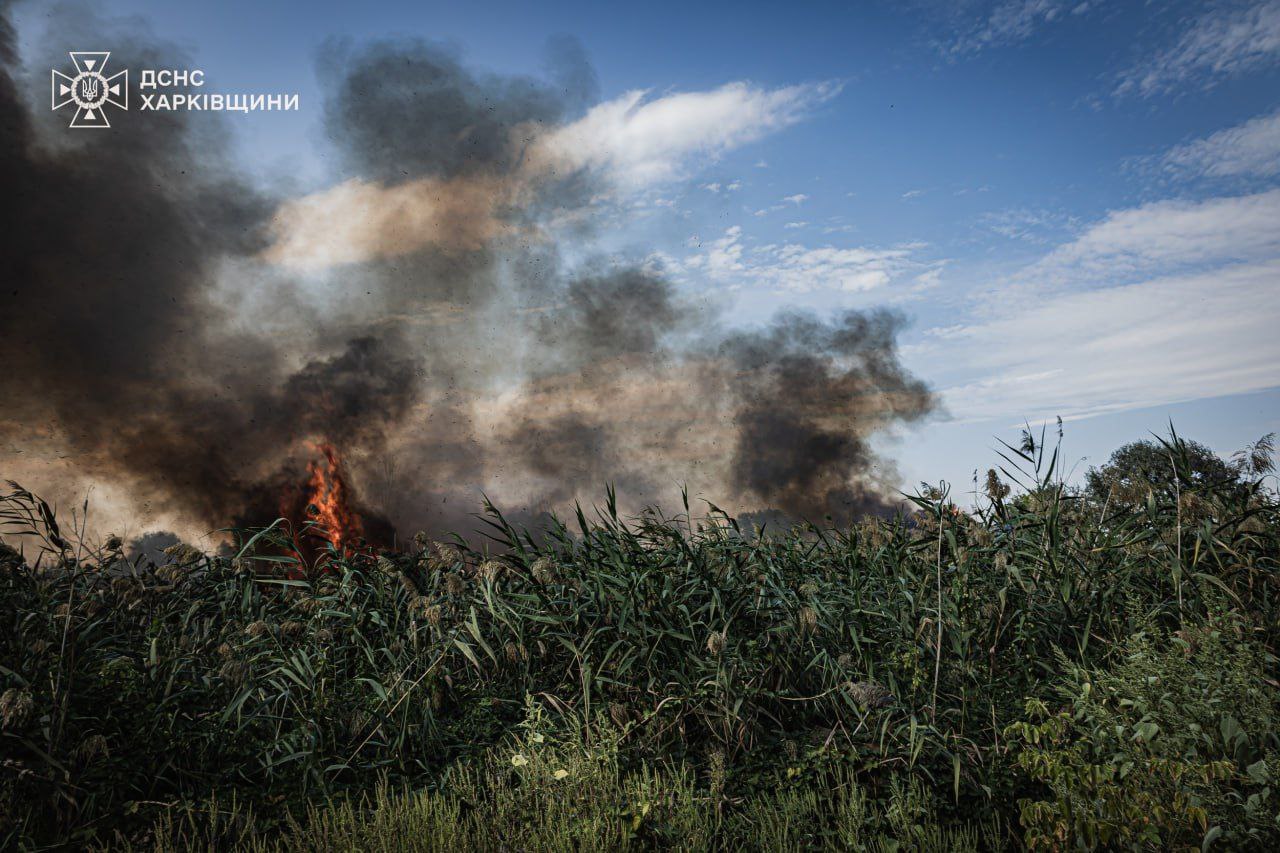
[(1163, 236), (1029, 225), (1221, 43), (638, 140), (1010, 22), (1249, 149), (1144, 344), (1167, 302), (783, 204), (798, 268)]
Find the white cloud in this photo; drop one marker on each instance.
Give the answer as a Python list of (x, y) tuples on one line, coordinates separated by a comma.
[(913, 193), (1218, 44), (792, 200), (1162, 236), (637, 140), (797, 268), (1167, 302), (722, 258), (928, 279), (794, 225), (1160, 341), (1252, 148)]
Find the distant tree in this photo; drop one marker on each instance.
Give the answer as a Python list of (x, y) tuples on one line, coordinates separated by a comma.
[(1141, 468)]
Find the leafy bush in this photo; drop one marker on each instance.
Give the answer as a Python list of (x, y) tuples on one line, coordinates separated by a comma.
[(1174, 745)]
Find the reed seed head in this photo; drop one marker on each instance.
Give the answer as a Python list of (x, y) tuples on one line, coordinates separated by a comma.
[(869, 694), (234, 672), (491, 570), (184, 554), (16, 706), (543, 570), (92, 747)]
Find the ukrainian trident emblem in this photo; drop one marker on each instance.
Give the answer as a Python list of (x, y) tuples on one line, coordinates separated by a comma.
[(91, 90)]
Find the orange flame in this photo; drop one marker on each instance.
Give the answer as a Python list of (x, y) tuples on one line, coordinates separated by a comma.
[(328, 501)]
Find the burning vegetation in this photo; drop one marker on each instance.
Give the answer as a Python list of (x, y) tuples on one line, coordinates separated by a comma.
[(322, 510), (328, 505)]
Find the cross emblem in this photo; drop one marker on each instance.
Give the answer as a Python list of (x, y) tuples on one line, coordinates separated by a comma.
[(90, 89)]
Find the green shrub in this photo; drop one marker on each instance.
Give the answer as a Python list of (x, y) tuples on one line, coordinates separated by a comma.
[(1175, 745)]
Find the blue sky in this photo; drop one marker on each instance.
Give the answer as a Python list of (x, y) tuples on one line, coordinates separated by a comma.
[(1076, 203)]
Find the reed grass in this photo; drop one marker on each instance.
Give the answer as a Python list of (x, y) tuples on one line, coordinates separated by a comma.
[(1044, 668)]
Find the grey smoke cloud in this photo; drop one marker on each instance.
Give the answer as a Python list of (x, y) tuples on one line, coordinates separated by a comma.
[(475, 359)]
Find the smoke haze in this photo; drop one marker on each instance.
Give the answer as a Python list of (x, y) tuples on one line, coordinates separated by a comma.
[(182, 337)]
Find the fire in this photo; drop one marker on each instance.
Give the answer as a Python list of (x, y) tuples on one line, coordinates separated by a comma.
[(324, 510), (328, 499)]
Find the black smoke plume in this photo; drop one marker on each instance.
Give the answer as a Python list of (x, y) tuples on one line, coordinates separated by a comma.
[(148, 342)]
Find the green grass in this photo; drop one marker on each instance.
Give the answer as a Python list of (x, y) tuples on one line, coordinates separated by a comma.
[(575, 798), (1048, 669)]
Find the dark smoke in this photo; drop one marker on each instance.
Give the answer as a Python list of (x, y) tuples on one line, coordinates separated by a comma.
[(612, 314), (564, 451), (109, 327), (382, 93), (810, 396), (439, 372)]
